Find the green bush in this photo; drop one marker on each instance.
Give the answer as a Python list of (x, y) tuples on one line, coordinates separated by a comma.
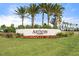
[(3, 27), (19, 35), (28, 26), (21, 27), (9, 29), (46, 26), (37, 26), (61, 35), (8, 35), (70, 33), (55, 27), (65, 34)]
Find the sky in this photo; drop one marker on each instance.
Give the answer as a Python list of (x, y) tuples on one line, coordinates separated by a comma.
[(8, 16), (39, 1)]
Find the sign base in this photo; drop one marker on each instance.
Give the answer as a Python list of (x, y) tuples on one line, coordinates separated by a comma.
[(36, 36)]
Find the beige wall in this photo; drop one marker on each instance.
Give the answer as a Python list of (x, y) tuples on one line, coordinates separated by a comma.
[(38, 32)]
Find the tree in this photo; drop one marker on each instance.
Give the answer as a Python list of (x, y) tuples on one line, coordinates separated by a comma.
[(32, 10), (49, 11), (58, 10), (76, 26), (3, 27), (67, 26), (21, 12), (70, 26), (42, 7), (12, 28)]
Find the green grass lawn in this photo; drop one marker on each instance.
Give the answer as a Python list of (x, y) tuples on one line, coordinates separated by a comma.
[(39, 47)]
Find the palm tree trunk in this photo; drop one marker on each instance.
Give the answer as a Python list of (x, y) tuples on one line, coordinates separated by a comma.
[(70, 27), (48, 19), (67, 26), (55, 21), (22, 21), (42, 19), (32, 21)]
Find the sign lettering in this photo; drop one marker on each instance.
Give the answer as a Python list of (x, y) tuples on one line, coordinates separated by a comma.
[(39, 31)]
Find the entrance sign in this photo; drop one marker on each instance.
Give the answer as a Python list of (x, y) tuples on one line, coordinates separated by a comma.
[(38, 32)]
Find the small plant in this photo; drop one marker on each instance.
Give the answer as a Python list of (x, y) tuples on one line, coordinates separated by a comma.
[(46, 26), (55, 27), (8, 35), (61, 35), (70, 33), (8, 29), (65, 34), (37, 26), (28, 26), (19, 35), (21, 27)]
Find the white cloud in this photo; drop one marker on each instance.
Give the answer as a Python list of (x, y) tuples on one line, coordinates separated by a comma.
[(71, 20), (27, 1), (12, 19)]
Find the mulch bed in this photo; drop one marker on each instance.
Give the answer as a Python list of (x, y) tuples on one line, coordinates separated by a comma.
[(36, 37)]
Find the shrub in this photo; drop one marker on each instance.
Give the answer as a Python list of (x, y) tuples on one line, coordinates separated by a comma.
[(8, 35), (37, 26), (3, 27), (70, 33), (19, 35), (12, 28), (61, 35), (55, 27), (52, 36), (46, 26), (28, 26), (9, 29), (21, 27), (65, 34)]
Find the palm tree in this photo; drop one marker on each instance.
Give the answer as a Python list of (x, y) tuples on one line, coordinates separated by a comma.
[(76, 26), (42, 7), (67, 26), (21, 12), (58, 10), (70, 26), (32, 10), (49, 11)]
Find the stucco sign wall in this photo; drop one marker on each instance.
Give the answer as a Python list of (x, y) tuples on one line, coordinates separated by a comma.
[(38, 32)]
